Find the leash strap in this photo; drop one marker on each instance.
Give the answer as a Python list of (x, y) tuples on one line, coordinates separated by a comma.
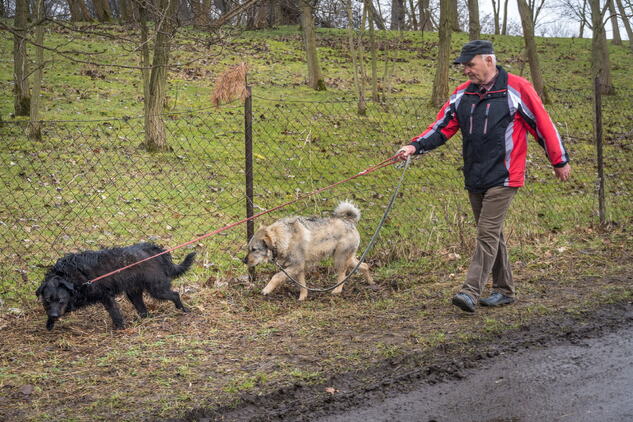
[(387, 162)]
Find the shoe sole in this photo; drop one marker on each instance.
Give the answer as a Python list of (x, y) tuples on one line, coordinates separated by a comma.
[(496, 304), (462, 305)]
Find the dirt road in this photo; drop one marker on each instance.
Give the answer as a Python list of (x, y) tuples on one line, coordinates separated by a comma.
[(565, 367), (591, 380)]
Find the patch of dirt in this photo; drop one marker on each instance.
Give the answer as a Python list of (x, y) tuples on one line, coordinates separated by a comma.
[(300, 402)]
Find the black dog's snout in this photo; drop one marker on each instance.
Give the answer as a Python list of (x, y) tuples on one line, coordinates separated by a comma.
[(53, 314)]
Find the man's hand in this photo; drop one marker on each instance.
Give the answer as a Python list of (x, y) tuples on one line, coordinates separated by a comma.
[(404, 152), (563, 172)]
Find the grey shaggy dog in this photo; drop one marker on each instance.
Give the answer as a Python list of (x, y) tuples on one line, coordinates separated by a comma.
[(64, 288), (299, 242)]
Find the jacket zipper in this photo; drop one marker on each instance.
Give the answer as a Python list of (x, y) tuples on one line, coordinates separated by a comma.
[(485, 121), (472, 109)]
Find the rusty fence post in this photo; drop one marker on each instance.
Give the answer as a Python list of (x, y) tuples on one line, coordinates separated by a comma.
[(248, 169)]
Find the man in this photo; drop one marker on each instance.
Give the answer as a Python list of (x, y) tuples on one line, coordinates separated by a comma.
[(494, 110)]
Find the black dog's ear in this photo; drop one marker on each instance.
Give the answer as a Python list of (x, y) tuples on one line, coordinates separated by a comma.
[(39, 290), (68, 285)]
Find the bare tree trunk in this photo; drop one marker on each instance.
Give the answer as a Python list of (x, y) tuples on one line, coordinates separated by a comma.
[(315, 80), (380, 23), (606, 63), (262, 15), (3, 12), (536, 9), (374, 58), (155, 133), (397, 15), (440, 85), (35, 126), (474, 27), (581, 32), (599, 48), (617, 39), (250, 18), (455, 17), (221, 5), (145, 57), (504, 28), (275, 13), (425, 15), (496, 5), (126, 11), (102, 10), (75, 11), (206, 5), (200, 13), (361, 63), (626, 21), (530, 47), (357, 58), (22, 94), (84, 11), (359, 79), (414, 18)]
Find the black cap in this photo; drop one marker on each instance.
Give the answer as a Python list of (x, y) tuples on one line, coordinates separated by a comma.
[(472, 48)]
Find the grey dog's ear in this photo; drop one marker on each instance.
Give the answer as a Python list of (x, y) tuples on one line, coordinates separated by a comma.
[(268, 239)]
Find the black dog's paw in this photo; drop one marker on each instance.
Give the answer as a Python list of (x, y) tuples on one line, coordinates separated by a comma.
[(185, 309), (49, 324)]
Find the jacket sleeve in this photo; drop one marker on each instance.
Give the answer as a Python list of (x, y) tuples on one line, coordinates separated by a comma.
[(445, 126), (540, 125)]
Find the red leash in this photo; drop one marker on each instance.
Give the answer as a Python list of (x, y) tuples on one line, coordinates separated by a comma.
[(389, 161)]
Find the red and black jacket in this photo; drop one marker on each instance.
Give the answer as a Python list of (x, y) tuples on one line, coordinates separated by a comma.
[(494, 129)]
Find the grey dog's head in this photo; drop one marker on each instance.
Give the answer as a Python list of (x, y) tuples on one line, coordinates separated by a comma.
[(55, 292), (260, 248)]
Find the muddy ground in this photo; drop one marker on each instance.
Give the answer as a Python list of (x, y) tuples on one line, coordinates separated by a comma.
[(238, 356), (383, 392), (584, 380)]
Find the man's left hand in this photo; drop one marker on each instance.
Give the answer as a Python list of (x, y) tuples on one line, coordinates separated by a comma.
[(563, 172)]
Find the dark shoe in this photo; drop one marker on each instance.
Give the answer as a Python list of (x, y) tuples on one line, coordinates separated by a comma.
[(464, 302), (496, 299)]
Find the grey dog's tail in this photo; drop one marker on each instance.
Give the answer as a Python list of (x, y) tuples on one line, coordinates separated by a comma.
[(348, 211), (182, 268)]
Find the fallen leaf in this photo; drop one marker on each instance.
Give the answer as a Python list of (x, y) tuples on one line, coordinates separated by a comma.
[(331, 390)]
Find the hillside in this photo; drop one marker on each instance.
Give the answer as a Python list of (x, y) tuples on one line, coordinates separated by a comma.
[(277, 69)]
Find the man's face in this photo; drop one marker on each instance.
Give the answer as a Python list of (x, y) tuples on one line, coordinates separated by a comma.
[(479, 70)]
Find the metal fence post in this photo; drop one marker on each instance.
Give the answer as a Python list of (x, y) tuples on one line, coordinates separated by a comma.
[(248, 155), (597, 87)]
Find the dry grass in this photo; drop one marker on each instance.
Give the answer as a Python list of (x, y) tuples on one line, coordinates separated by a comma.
[(231, 84)]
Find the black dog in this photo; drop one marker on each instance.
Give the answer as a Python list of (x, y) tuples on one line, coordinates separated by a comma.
[(64, 288)]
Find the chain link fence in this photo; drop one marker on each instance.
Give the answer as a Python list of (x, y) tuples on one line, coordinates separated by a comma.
[(90, 184)]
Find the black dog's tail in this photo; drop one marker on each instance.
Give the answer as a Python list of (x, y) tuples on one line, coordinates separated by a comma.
[(178, 270)]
